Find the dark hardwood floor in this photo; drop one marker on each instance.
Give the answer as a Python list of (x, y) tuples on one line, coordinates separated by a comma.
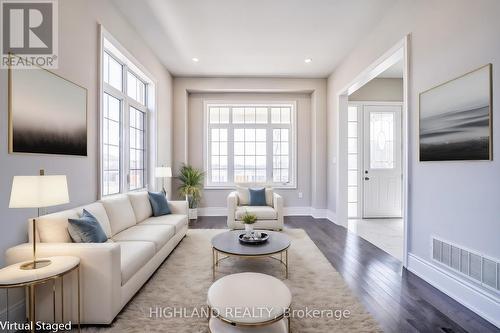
[(399, 300)]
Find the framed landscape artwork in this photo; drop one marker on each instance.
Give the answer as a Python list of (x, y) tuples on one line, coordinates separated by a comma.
[(455, 119), (47, 114)]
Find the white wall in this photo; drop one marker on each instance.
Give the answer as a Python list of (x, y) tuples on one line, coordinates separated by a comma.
[(218, 197), (457, 201), (188, 141), (380, 89), (78, 62)]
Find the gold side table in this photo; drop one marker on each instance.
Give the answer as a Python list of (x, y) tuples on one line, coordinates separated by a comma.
[(14, 277)]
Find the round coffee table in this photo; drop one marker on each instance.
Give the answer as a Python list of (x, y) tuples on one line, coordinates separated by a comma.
[(228, 244), (249, 302)]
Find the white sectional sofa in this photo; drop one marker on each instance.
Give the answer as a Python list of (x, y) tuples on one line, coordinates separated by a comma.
[(111, 272)]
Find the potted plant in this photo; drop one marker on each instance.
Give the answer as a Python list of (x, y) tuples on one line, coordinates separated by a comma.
[(248, 220), (191, 187)]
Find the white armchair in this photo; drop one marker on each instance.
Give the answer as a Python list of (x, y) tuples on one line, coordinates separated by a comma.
[(268, 217)]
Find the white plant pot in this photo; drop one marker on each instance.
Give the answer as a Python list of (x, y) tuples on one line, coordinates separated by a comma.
[(193, 213), (248, 229)]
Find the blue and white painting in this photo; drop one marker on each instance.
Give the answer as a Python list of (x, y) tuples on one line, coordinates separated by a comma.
[(455, 119)]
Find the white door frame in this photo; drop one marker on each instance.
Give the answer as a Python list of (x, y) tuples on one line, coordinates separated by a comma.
[(392, 56)]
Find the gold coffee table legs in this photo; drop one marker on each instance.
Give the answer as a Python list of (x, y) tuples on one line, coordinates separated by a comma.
[(283, 259)]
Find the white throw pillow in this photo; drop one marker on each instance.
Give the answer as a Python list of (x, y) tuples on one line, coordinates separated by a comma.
[(120, 213), (53, 228), (141, 205)]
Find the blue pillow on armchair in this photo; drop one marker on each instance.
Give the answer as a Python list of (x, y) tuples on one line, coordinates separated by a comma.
[(86, 229), (159, 203), (257, 197)]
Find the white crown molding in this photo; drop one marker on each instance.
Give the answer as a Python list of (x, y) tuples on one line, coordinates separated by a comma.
[(464, 292)]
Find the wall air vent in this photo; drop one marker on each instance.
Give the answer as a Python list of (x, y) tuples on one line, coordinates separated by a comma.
[(481, 269)]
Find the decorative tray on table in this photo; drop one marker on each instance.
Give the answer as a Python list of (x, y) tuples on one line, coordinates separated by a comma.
[(255, 239)]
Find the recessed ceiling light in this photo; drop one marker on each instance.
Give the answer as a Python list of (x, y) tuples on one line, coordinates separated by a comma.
[(195, 59), (308, 60)]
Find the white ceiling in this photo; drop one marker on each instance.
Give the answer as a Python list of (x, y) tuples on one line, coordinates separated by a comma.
[(393, 72), (253, 37)]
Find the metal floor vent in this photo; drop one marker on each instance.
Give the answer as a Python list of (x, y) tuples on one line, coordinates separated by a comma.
[(481, 269)]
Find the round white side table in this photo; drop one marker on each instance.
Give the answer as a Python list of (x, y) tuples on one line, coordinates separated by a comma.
[(14, 277)]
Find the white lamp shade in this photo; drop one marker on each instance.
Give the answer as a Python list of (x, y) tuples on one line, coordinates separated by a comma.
[(163, 172), (38, 191)]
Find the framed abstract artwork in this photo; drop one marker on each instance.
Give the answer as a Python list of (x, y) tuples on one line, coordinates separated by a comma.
[(47, 114), (456, 119)]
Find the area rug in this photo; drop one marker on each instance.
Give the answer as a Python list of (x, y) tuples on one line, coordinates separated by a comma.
[(174, 299)]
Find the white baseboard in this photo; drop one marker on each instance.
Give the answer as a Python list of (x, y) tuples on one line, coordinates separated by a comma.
[(477, 300), (288, 211), (212, 211), (297, 211)]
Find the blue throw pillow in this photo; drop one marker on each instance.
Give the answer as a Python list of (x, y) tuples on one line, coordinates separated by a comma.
[(86, 229), (159, 203), (257, 197)]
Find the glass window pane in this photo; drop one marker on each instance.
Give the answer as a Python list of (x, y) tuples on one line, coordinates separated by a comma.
[(215, 162), (214, 115), (260, 162), (131, 86), (223, 162), (239, 148), (239, 134), (141, 92), (215, 148), (352, 161), (249, 115), (284, 135), (352, 145), (284, 176), (249, 148), (276, 175), (223, 134), (284, 148), (284, 162), (250, 134), (113, 108), (114, 133), (260, 135), (224, 115), (276, 148), (285, 115), (260, 175), (381, 140), (260, 148), (276, 134), (239, 162), (275, 115), (115, 73), (223, 148), (352, 177), (261, 115), (238, 115), (215, 134), (352, 130)]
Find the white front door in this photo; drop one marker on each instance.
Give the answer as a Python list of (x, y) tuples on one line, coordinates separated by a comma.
[(381, 173)]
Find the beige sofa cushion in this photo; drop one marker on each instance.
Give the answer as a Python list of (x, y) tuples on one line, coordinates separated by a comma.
[(97, 209), (53, 228), (141, 205), (177, 220), (120, 213), (262, 212), (158, 234), (244, 195), (134, 255)]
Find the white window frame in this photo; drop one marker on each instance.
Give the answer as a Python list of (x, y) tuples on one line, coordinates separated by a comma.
[(292, 184), (114, 49)]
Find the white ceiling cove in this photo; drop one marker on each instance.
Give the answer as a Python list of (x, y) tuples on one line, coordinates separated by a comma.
[(253, 37)]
